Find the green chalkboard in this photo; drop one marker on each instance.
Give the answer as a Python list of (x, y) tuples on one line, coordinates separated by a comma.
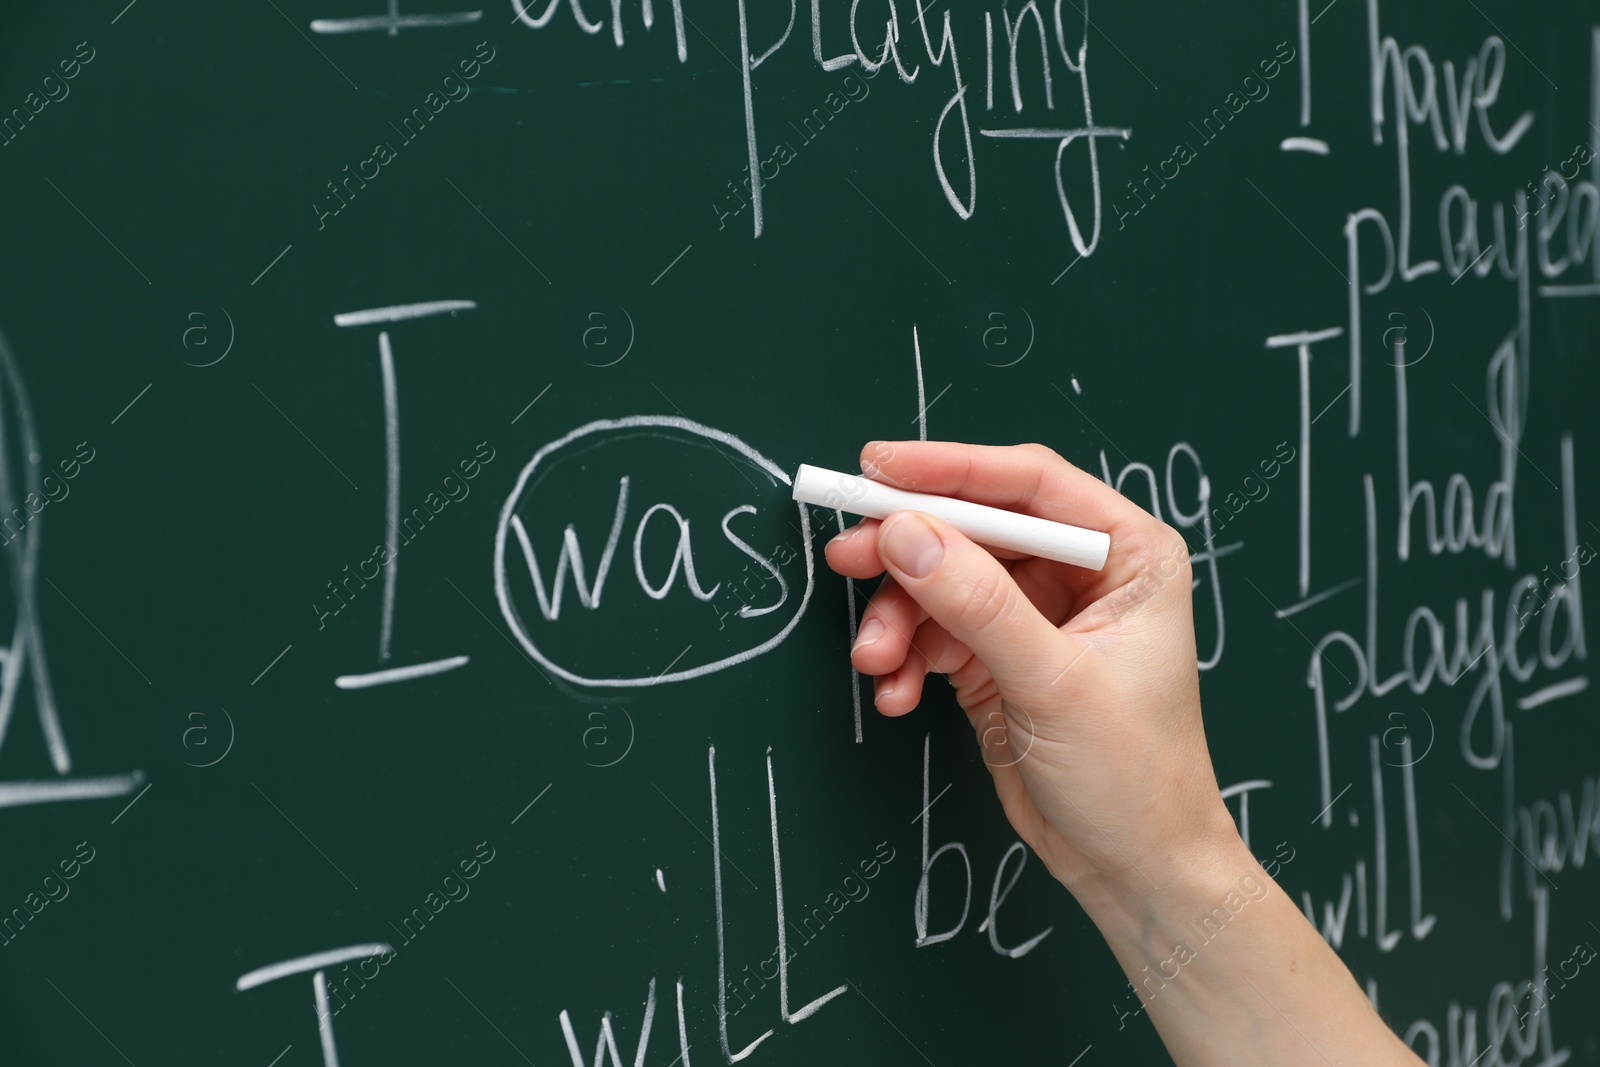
[(415, 654)]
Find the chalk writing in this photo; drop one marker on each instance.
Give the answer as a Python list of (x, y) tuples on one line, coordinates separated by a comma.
[(684, 570)]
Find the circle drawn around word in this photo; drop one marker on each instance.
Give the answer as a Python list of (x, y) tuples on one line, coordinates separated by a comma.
[(543, 456)]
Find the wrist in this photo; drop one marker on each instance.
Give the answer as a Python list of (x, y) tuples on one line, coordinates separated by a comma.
[(1148, 903)]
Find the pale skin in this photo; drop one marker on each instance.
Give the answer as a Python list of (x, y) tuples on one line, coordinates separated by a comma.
[(1094, 676)]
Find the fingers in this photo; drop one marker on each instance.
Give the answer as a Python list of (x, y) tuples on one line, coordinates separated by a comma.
[(931, 651), (886, 630), (888, 627), (898, 644), (1026, 478), (1051, 586), (970, 594), (854, 553)]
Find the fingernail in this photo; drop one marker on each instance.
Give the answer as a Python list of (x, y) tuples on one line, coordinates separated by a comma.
[(911, 545), (871, 630), (841, 538), (883, 692)]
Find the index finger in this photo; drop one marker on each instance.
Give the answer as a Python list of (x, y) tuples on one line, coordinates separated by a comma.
[(1030, 479)]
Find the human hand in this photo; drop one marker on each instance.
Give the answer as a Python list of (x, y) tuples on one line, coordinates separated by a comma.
[(1083, 686)]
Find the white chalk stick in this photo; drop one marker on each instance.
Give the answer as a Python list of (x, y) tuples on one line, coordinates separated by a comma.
[(995, 527)]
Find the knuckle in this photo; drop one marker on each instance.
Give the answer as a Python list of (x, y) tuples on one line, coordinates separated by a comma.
[(1171, 554), (986, 601), (1044, 452)]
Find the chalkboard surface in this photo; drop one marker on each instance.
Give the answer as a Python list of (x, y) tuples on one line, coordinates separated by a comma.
[(416, 656)]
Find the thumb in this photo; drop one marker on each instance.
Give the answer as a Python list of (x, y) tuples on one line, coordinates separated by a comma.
[(968, 592)]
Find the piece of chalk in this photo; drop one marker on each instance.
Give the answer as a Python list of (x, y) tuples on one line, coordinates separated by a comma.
[(989, 526)]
